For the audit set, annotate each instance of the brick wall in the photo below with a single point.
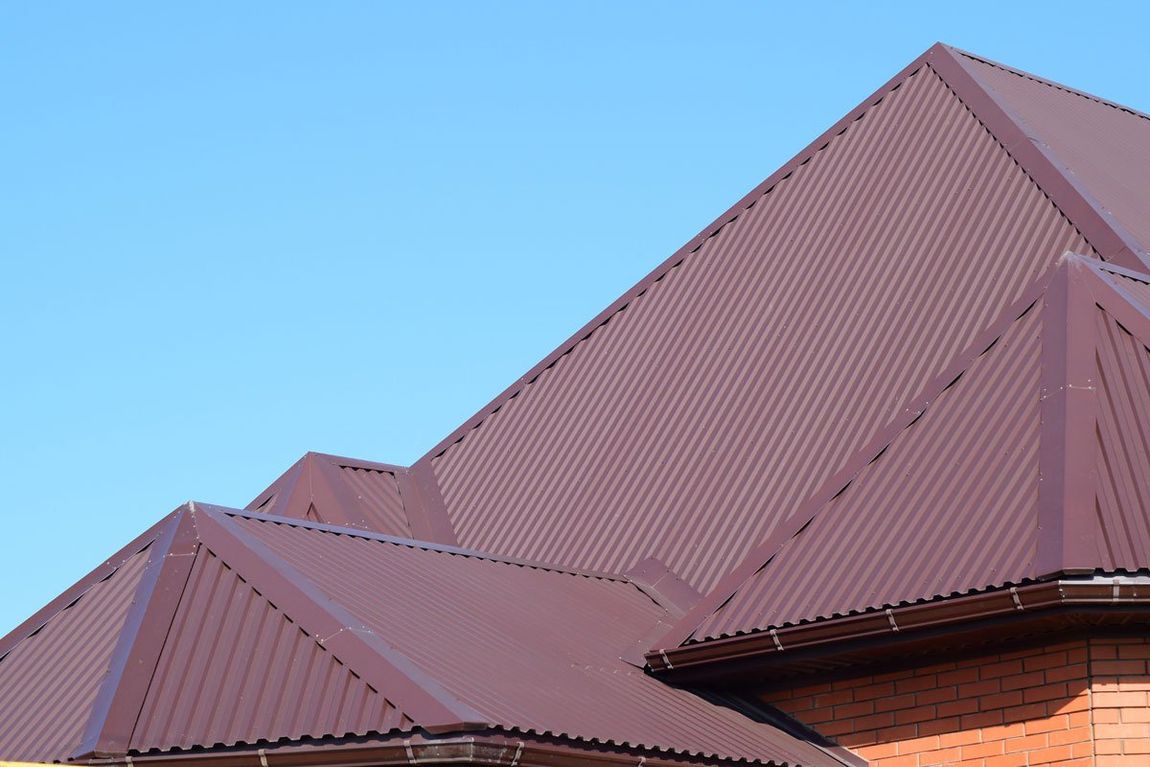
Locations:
(1074, 704)
(1120, 686)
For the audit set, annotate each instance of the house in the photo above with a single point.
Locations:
(859, 475)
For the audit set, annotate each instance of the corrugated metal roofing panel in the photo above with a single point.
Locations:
(532, 649)
(1123, 456)
(1104, 145)
(378, 493)
(688, 423)
(236, 669)
(950, 503)
(1033, 462)
(49, 681)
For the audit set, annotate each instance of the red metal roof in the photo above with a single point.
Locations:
(237, 669)
(1026, 457)
(1103, 146)
(54, 675)
(875, 380)
(239, 628)
(530, 649)
(688, 419)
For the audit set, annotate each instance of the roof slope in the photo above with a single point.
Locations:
(61, 667)
(1025, 458)
(1103, 146)
(234, 628)
(531, 649)
(688, 419)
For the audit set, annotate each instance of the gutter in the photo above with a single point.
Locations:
(491, 751)
(1117, 596)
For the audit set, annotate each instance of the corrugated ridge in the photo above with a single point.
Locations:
(1122, 467)
(951, 502)
(533, 650)
(237, 670)
(49, 681)
(690, 423)
(378, 492)
(1105, 145)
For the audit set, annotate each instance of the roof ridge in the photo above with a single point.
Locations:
(676, 259)
(1050, 83)
(835, 484)
(412, 543)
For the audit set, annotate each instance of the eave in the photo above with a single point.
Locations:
(903, 631)
(495, 750)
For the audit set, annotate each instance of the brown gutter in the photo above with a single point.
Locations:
(494, 751)
(1088, 599)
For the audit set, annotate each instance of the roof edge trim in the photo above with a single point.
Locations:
(499, 748)
(413, 543)
(1121, 592)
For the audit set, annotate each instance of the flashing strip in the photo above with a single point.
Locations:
(1130, 592)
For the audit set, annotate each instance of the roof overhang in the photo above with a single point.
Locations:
(494, 750)
(911, 630)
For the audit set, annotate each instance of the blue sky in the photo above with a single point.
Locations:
(234, 232)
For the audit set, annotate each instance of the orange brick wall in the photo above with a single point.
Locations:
(1120, 684)
(1082, 703)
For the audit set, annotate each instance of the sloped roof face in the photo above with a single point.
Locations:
(691, 417)
(1122, 459)
(1105, 146)
(957, 496)
(528, 649)
(236, 669)
(53, 677)
(955, 493)
(239, 629)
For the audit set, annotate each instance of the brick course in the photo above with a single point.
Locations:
(1084, 703)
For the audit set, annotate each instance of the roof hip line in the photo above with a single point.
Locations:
(1069, 388)
(1104, 233)
(133, 663)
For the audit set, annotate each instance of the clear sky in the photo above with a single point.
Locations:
(234, 232)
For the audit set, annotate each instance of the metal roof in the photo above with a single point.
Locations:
(54, 675)
(238, 628)
(688, 419)
(874, 381)
(1025, 458)
(1102, 145)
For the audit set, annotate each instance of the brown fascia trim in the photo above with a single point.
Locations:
(491, 750)
(892, 626)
